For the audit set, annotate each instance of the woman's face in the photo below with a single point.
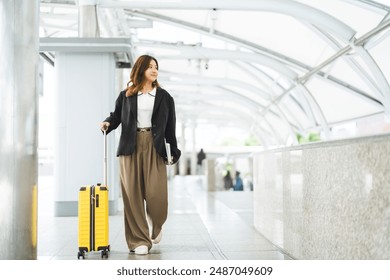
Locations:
(152, 72)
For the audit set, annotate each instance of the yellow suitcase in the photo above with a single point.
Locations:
(93, 216)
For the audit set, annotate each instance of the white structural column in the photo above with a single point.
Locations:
(19, 57)
(210, 174)
(193, 150)
(250, 181)
(85, 96)
(183, 158)
(88, 20)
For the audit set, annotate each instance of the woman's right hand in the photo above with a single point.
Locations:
(104, 126)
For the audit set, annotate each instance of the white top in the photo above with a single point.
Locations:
(145, 108)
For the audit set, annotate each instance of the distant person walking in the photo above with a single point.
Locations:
(200, 157)
(238, 186)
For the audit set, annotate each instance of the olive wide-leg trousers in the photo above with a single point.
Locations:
(144, 187)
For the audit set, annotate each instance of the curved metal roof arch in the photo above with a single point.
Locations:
(291, 8)
(288, 61)
(330, 29)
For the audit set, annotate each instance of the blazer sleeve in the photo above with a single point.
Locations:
(115, 117)
(170, 131)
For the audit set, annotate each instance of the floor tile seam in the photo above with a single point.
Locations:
(253, 250)
(57, 252)
(283, 251)
(231, 210)
(210, 236)
(214, 243)
(203, 233)
(220, 251)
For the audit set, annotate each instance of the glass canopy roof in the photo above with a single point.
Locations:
(273, 69)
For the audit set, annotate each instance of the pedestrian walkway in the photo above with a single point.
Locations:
(201, 225)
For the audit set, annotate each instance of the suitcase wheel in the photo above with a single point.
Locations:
(104, 253)
(81, 254)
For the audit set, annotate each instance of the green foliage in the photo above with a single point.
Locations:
(312, 137)
(252, 141)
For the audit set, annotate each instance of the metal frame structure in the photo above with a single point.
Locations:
(279, 82)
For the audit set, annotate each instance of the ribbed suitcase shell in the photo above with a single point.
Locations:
(101, 218)
(84, 214)
(93, 220)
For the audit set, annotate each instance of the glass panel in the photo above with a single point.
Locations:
(351, 12)
(276, 32)
(280, 129)
(337, 104)
(343, 71)
(381, 55)
(295, 113)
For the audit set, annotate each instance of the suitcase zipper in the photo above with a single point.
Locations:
(92, 220)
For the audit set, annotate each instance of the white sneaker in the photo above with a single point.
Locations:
(141, 250)
(158, 238)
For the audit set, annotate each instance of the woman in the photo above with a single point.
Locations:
(147, 115)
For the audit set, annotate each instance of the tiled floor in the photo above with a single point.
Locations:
(201, 225)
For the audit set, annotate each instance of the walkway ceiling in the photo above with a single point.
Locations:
(277, 68)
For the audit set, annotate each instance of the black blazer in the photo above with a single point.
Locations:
(163, 123)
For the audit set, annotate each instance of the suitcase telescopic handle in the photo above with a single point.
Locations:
(105, 159)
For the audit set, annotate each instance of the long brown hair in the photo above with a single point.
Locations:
(137, 75)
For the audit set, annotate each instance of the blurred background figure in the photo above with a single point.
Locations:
(201, 156)
(228, 181)
(238, 186)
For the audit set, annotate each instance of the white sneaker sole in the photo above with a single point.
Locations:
(141, 250)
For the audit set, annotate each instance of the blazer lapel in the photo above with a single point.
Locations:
(157, 100)
(133, 105)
